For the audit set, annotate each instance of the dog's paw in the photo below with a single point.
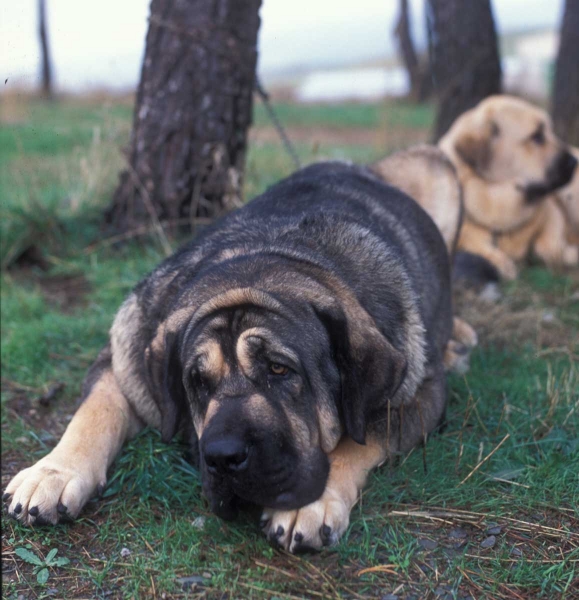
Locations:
(50, 491)
(507, 268)
(319, 524)
(571, 256)
(462, 332)
(457, 357)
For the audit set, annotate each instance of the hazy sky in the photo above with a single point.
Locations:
(100, 44)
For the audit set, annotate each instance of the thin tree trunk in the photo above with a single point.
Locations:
(464, 56)
(193, 109)
(46, 68)
(566, 88)
(417, 73)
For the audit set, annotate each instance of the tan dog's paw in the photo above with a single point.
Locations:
(507, 268)
(457, 357)
(571, 256)
(49, 491)
(462, 332)
(319, 524)
(458, 349)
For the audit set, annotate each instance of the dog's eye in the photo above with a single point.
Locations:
(538, 137)
(277, 369)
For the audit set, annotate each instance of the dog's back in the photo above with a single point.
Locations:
(426, 175)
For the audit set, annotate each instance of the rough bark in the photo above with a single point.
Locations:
(193, 108)
(464, 56)
(46, 62)
(566, 88)
(417, 70)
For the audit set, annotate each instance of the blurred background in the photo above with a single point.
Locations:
(315, 50)
(106, 166)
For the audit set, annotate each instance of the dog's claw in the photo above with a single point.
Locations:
(326, 534)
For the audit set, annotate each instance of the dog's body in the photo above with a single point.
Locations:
(426, 175)
(509, 163)
(299, 342)
(568, 199)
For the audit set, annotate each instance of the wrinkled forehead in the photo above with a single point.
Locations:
(237, 337)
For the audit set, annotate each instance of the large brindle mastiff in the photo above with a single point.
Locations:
(298, 343)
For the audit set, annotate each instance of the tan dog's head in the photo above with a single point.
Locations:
(507, 139)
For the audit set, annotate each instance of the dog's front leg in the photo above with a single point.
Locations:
(323, 522)
(479, 240)
(59, 485)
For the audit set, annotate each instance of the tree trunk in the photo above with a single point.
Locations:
(417, 72)
(566, 89)
(46, 69)
(464, 56)
(193, 108)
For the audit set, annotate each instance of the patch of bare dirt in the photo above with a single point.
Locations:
(524, 316)
(66, 291)
(378, 137)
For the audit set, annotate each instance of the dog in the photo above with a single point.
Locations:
(509, 163)
(425, 174)
(568, 198)
(297, 343)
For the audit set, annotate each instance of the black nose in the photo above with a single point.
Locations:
(566, 167)
(226, 455)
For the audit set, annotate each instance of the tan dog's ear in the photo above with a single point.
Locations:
(474, 150)
(473, 146)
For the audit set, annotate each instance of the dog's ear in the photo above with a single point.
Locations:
(165, 376)
(371, 369)
(473, 146)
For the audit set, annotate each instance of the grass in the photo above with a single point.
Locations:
(506, 530)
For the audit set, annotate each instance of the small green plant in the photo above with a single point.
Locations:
(41, 566)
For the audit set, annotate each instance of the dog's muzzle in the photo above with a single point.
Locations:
(558, 175)
(561, 172)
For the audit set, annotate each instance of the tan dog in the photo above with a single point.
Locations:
(568, 197)
(509, 163)
(426, 175)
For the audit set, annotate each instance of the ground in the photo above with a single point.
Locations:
(488, 510)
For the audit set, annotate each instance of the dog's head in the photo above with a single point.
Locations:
(272, 381)
(507, 139)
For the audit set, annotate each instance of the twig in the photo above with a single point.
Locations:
(543, 561)
(51, 394)
(484, 460)
(152, 212)
(277, 569)
(143, 230)
(276, 593)
(282, 133)
(471, 516)
(378, 569)
(528, 487)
